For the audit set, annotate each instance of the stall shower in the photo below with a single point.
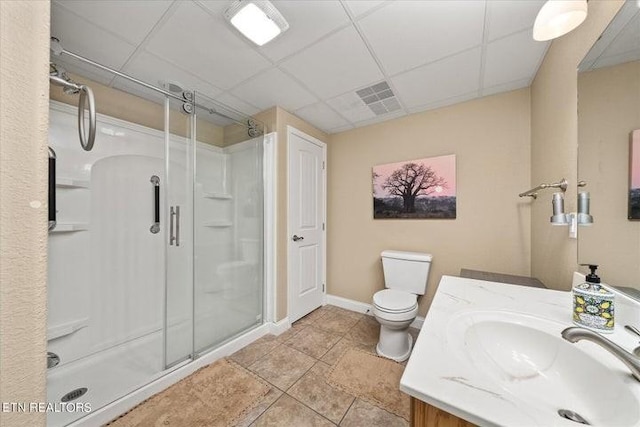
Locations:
(156, 240)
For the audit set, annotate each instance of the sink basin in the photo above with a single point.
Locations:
(526, 357)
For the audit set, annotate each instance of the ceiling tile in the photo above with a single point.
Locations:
(351, 106)
(151, 69)
(340, 129)
(222, 112)
(308, 22)
(610, 60)
(82, 37)
(135, 89)
(335, 65)
(321, 116)
(237, 104)
(506, 87)
(216, 7)
(512, 58)
(444, 79)
(273, 87)
(618, 25)
(379, 119)
(206, 46)
(510, 16)
(627, 40)
(360, 7)
(130, 19)
(406, 34)
(446, 102)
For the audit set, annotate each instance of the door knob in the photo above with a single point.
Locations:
(296, 238)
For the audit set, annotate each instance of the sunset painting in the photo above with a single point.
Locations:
(415, 189)
(634, 175)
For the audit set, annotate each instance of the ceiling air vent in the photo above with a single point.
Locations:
(379, 98)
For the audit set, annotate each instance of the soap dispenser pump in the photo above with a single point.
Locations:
(593, 305)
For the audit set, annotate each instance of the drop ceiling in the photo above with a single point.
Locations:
(430, 53)
(620, 42)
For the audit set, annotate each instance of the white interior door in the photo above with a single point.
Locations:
(307, 211)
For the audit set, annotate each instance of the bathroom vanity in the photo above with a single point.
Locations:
(492, 354)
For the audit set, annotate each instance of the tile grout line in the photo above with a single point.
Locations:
(310, 409)
(300, 379)
(268, 407)
(348, 409)
(317, 360)
(268, 352)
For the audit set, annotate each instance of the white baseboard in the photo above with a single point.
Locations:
(349, 304)
(361, 307)
(279, 327)
(122, 405)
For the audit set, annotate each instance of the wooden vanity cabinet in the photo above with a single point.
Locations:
(425, 415)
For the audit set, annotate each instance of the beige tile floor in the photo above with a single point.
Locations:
(296, 364)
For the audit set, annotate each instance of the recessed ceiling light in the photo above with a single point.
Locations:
(257, 20)
(558, 17)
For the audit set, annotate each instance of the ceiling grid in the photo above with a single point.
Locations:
(431, 53)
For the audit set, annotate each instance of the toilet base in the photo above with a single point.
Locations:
(394, 344)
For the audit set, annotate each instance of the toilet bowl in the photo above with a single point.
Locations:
(395, 311)
(396, 307)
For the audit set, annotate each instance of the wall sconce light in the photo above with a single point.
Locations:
(584, 217)
(558, 17)
(558, 217)
(572, 219)
(257, 20)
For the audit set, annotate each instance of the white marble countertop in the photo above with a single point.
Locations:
(442, 373)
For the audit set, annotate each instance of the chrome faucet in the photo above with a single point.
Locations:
(575, 334)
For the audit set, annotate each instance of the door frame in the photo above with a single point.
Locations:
(294, 131)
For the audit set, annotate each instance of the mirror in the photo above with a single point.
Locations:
(608, 111)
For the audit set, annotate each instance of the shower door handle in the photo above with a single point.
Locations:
(52, 189)
(177, 225)
(155, 227)
(175, 219)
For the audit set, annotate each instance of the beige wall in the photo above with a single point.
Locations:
(491, 140)
(608, 110)
(554, 139)
(125, 106)
(24, 36)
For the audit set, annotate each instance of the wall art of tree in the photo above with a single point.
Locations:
(413, 180)
(413, 189)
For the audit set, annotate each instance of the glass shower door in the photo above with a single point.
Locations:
(228, 225)
(108, 255)
(178, 213)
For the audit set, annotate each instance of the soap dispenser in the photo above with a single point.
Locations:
(593, 304)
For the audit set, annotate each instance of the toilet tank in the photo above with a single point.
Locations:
(406, 271)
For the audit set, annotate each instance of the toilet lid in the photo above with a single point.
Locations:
(394, 301)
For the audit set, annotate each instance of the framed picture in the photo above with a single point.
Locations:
(415, 189)
(634, 175)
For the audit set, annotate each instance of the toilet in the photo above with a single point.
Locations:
(396, 307)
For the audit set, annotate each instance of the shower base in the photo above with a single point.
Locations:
(137, 366)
